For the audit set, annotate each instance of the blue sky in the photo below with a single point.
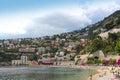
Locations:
(20, 5)
(36, 18)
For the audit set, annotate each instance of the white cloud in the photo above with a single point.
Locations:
(13, 25)
(40, 23)
(57, 23)
(97, 10)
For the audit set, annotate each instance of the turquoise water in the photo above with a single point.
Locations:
(43, 73)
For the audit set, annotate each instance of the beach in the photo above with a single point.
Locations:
(97, 72)
(104, 73)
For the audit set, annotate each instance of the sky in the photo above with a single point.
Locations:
(37, 18)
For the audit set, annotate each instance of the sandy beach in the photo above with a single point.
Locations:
(103, 74)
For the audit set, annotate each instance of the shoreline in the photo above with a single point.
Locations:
(72, 72)
(100, 70)
(104, 73)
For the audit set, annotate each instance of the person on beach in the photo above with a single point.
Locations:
(104, 73)
(90, 77)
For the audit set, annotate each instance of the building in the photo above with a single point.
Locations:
(24, 60)
(66, 63)
(48, 61)
(1, 45)
(29, 50)
(16, 62)
(41, 50)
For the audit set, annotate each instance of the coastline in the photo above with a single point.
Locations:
(93, 68)
(79, 71)
(99, 70)
(104, 73)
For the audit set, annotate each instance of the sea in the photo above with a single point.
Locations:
(44, 73)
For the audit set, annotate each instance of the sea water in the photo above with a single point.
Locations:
(44, 73)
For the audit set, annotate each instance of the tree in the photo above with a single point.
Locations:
(112, 61)
(117, 22)
(108, 49)
(109, 25)
(33, 57)
(66, 52)
(52, 55)
(14, 50)
(97, 61)
(114, 36)
(79, 48)
(98, 44)
(90, 60)
(103, 62)
(117, 47)
(72, 57)
(54, 50)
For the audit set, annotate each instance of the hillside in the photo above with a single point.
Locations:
(66, 46)
(103, 36)
(105, 25)
(106, 35)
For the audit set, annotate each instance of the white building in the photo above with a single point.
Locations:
(16, 62)
(41, 50)
(24, 60)
(61, 53)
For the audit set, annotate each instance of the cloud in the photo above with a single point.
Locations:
(71, 19)
(13, 25)
(57, 23)
(97, 10)
(58, 20)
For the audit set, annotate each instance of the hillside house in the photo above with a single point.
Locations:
(27, 50)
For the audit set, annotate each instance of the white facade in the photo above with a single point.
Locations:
(23, 59)
(61, 53)
(41, 50)
(16, 62)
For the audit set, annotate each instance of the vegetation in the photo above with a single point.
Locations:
(111, 45)
(117, 47)
(112, 61)
(33, 57)
(98, 62)
(109, 25)
(61, 42)
(90, 61)
(7, 57)
(79, 48)
(66, 52)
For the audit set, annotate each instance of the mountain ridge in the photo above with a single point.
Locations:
(105, 25)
